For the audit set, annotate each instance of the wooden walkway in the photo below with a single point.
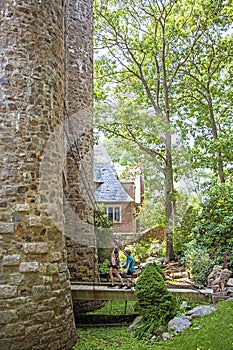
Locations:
(103, 292)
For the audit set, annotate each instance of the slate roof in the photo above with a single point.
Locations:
(110, 188)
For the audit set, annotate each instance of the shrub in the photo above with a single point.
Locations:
(183, 232)
(146, 248)
(104, 266)
(199, 263)
(156, 303)
(214, 227)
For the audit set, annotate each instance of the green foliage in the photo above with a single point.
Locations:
(104, 266)
(205, 94)
(199, 263)
(211, 233)
(145, 249)
(152, 91)
(121, 152)
(187, 209)
(103, 232)
(186, 221)
(101, 219)
(156, 303)
(215, 223)
(152, 213)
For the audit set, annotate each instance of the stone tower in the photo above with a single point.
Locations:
(38, 54)
(79, 198)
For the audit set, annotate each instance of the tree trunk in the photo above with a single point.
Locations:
(215, 136)
(169, 201)
(169, 187)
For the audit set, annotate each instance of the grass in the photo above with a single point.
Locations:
(115, 307)
(211, 332)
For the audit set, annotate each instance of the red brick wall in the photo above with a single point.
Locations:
(128, 223)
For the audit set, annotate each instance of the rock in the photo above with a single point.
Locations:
(230, 282)
(166, 336)
(4, 81)
(184, 305)
(220, 282)
(214, 274)
(201, 310)
(178, 324)
(219, 296)
(135, 323)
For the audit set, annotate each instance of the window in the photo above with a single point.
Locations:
(113, 213)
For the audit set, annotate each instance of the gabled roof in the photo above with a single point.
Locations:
(110, 188)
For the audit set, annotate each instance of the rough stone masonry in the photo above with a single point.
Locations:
(46, 107)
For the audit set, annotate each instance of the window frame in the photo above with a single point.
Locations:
(116, 212)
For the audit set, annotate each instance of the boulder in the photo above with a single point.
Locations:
(201, 310)
(178, 324)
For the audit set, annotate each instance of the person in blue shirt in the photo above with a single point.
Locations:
(129, 268)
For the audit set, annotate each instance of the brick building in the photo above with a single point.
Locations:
(120, 198)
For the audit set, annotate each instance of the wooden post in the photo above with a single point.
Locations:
(125, 307)
(225, 260)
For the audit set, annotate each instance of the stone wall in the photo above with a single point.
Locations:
(35, 300)
(79, 200)
(82, 262)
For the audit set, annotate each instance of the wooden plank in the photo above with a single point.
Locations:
(101, 293)
(196, 296)
(87, 292)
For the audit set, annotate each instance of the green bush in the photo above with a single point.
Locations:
(213, 231)
(183, 232)
(156, 303)
(199, 263)
(104, 266)
(146, 248)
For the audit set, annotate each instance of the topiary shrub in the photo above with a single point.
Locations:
(156, 303)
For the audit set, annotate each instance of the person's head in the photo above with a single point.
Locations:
(127, 252)
(116, 251)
